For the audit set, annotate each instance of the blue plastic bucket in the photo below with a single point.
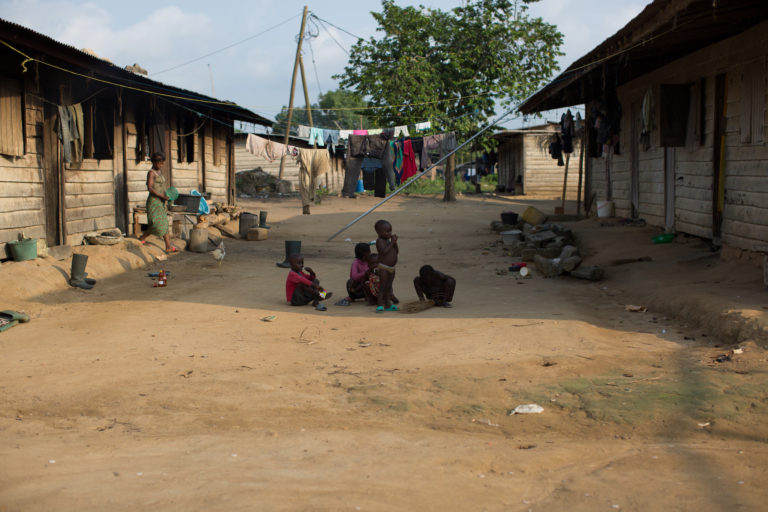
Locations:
(360, 188)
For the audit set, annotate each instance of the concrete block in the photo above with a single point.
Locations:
(589, 273)
(570, 263)
(568, 251)
(60, 252)
(549, 267)
(541, 238)
(511, 236)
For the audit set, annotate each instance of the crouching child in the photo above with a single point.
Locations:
(302, 286)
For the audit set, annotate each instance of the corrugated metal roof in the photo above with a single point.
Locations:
(664, 31)
(41, 46)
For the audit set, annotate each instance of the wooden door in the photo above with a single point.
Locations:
(669, 189)
(51, 177)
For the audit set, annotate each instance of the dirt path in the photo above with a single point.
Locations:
(130, 397)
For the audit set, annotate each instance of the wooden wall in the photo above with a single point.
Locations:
(745, 213)
(22, 203)
(541, 174)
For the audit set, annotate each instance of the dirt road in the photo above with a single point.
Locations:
(130, 397)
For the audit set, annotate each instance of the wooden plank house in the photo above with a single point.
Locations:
(59, 186)
(676, 114)
(526, 167)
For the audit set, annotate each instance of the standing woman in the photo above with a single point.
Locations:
(157, 212)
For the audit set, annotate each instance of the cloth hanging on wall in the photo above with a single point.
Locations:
(70, 133)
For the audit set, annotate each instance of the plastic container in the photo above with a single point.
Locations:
(604, 209)
(198, 240)
(360, 187)
(192, 202)
(509, 218)
(247, 221)
(23, 250)
(663, 238)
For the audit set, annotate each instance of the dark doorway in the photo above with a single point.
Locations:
(51, 177)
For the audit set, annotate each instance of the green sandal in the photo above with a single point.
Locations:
(393, 307)
(10, 318)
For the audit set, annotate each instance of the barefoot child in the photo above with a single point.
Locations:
(386, 244)
(358, 275)
(373, 284)
(302, 288)
(435, 286)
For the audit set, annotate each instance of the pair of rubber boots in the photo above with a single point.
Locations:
(291, 247)
(78, 277)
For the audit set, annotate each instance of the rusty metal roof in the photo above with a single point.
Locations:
(664, 31)
(48, 50)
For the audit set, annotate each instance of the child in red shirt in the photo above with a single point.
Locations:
(302, 288)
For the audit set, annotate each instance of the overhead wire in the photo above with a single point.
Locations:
(228, 46)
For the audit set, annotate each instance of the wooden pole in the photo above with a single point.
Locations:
(565, 180)
(581, 173)
(293, 89)
(309, 118)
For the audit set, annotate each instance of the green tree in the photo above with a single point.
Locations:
(338, 109)
(451, 67)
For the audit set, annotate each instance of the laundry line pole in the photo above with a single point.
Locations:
(293, 89)
(422, 173)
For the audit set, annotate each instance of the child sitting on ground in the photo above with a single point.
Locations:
(435, 286)
(358, 275)
(386, 244)
(302, 288)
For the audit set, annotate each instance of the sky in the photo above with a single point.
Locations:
(256, 72)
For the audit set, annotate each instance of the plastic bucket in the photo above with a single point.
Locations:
(23, 250)
(509, 218)
(360, 187)
(198, 240)
(605, 209)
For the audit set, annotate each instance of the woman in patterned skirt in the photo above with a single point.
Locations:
(157, 212)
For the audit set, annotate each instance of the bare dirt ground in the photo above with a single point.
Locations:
(130, 397)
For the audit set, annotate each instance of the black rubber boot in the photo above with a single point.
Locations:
(263, 220)
(87, 279)
(291, 247)
(77, 274)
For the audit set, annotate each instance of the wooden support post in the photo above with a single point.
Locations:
(450, 179)
(306, 209)
(565, 180)
(581, 174)
(293, 89)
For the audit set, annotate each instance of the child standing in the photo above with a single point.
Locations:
(386, 245)
(358, 275)
(302, 288)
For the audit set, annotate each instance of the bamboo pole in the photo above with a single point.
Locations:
(293, 89)
(565, 179)
(581, 173)
(306, 209)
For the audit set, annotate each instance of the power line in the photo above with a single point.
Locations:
(228, 46)
(313, 15)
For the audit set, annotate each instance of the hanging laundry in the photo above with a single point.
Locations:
(367, 145)
(431, 142)
(69, 134)
(380, 183)
(566, 131)
(265, 148)
(316, 136)
(375, 131)
(352, 169)
(312, 163)
(447, 144)
(578, 123)
(331, 139)
(344, 134)
(401, 131)
(302, 131)
(409, 161)
(426, 125)
(387, 164)
(418, 146)
(360, 132)
(397, 162)
(556, 149)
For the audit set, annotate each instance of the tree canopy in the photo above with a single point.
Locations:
(451, 67)
(338, 109)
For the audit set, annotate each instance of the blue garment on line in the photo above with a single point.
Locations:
(316, 136)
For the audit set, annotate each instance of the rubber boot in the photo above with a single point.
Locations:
(291, 247)
(263, 220)
(77, 274)
(87, 279)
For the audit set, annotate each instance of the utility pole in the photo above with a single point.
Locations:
(293, 88)
(311, 125)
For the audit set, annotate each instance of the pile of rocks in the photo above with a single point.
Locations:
(552, 247)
